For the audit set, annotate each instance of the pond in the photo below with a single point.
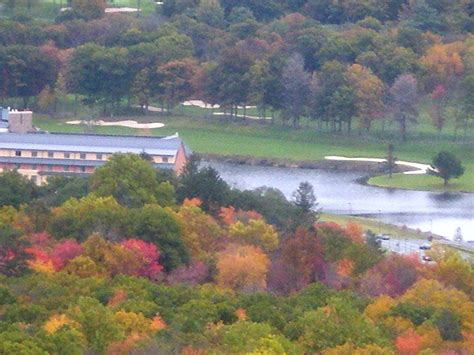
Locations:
(339, 192)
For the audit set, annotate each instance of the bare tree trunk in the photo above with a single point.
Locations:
(295, 121)
(403, 128)
(75, 105)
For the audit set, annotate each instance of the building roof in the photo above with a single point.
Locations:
(91, 143)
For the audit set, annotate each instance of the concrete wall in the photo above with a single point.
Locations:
(20, 121)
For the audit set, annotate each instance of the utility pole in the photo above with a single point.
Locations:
(380, 221)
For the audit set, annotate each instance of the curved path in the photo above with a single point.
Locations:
(420, 168)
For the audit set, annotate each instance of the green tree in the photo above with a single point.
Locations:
(130, 179)
(449, 326)
(157, 225)
(141, 89)
(306, 213)
(80, 218)
(174, 46)
(89, 9)
(227, 82)
(424, 17)
(256, 338)
(97, 323)
(467, 94)
(13, 257)
(203, 183)
(334, 99)
(211, 13)
(334, 325)
(446, 166)
(59, 189)
(15, 189)
(26, 71)
(175, 80)
(100, 73)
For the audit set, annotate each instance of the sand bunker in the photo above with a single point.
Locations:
(151, 108)
(113, 10)
(199, 103)
(109, 10)
(421, 168)
(128, 123)
(202, 104)
(242, 116)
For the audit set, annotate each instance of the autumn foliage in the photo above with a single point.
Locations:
(242, 268)
(246, 288)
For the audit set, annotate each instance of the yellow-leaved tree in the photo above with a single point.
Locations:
(242, 268)
(255, 232)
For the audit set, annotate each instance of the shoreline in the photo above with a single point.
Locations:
(373, 168)
(370, 168)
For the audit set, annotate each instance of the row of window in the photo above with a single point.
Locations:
(98, 156)
(34, 154)
(66, 168)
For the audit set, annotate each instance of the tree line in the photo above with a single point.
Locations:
(188, 265)
(375, 66)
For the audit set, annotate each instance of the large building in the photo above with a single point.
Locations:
(39, 155)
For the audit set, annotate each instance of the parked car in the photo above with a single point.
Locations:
(425, 246)
(383, 236)
(427, 258)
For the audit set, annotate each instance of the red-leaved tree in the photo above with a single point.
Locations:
(63, 252)
(148, 253)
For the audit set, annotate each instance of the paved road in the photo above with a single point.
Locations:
(412, 246)
(405, 246)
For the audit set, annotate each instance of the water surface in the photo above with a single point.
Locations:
(339, 193)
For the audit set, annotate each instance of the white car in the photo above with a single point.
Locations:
(425, 246)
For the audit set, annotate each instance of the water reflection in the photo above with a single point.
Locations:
(446, 197)
(338, 192)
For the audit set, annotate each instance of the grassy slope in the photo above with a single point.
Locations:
(218, 136)
(427, 182)
(375, 226)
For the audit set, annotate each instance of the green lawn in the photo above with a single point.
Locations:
(375, 226)
(427, 182)
(253, 139)
(48, 10)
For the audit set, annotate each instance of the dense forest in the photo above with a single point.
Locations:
(188, 265)
(138, 261)
(342, 64)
